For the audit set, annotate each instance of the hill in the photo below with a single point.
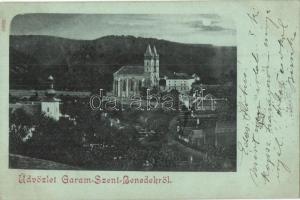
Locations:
(25, 162)
(89, 64)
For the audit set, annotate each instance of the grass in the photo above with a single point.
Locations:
(25, 162)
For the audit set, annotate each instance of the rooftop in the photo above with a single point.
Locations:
(225, 126)
(134, 70)
(176, 75)
(49, 99)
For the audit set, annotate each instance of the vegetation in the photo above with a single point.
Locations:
(88, 65)
(93, 142)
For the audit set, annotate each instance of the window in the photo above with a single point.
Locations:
(124, 85)
(116, 87)
(131, 84)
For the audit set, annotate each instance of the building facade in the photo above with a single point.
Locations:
(181, 82)
(129, 80)
(49, 105)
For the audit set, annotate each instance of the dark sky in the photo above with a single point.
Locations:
(194, 28)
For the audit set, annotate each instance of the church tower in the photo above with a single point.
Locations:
(148, 60)
(151, 65)
(156, 65)
(50, 104)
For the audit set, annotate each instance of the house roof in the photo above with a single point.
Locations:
(225, 126)
(209, 97)
(187, 131)
(50, 99)
(197, 134)
(179, 76)
(190, 122)
(138, 70)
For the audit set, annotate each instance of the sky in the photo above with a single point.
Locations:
(188, 28)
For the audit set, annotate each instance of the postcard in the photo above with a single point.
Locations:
(149, 100)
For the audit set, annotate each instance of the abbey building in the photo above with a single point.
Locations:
(129, 80)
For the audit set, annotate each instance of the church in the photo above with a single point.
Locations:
(50, 104)
(130, 79)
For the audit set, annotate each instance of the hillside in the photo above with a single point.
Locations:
(25, 162)
(89, 64)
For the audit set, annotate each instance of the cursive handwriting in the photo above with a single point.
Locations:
(266, 108)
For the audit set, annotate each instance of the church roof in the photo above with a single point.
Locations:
(131, 69)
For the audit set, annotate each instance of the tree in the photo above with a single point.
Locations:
(175, 95)
(154, 90)
(143, 92)
(20, 117)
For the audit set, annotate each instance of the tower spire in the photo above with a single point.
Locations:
(148, 51)
(50, 92)
(154, 51)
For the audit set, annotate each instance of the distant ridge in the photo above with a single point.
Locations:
(89, 64)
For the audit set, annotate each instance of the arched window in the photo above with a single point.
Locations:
(124, 85)
(116, 87)
(131, 84)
